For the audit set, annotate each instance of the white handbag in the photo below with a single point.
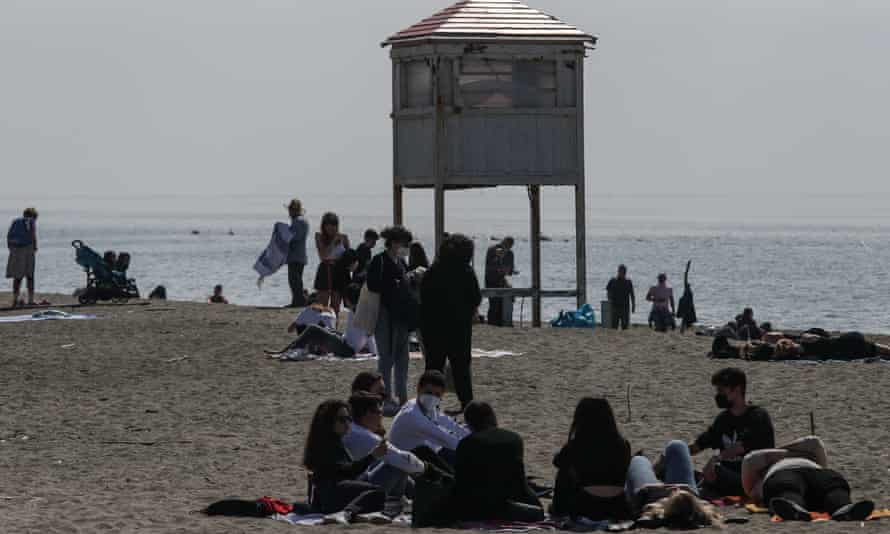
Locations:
(366, 311)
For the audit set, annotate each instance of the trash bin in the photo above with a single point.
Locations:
(605, 314)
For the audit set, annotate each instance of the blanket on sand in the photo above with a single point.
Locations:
(48, 315)
(297, 356)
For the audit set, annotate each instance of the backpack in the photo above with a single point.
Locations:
(20, 233)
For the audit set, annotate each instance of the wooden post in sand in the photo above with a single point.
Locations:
(629, 415)
(812, 424)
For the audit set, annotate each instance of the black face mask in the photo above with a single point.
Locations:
(722, 401)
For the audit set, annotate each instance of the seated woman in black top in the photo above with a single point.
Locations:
(489, 473)
(592, 466)
(335, 484)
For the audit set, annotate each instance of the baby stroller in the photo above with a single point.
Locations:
(104, 282)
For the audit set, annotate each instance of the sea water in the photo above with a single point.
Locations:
(818, 261)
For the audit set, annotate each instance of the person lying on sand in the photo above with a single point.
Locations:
(673, 501)
(739, 429)
(813, 345)
(794, 481)
(321, 340)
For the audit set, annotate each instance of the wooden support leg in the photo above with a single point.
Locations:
(581, 244)
(397, 213)
(535, 240)
(439, 217)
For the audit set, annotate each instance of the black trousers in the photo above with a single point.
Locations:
(816, 490)
(458, 351)
(620, 316)
(352, 495)
(570, 499)
(295, 280)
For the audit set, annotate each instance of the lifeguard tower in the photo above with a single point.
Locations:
(490, 93)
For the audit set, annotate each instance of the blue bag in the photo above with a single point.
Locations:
(583, 317)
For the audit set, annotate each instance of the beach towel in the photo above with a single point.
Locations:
(275, 254)
(815, 516)
(299, 356)
(48, 315)
(313, 520)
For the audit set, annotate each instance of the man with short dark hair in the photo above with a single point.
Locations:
(420, 422)
(739, 429)
(364, 252)
(622, 300)
(489, 472)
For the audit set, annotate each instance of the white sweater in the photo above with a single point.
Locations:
(412, 428)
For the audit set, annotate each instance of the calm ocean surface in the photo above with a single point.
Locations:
(799, 261)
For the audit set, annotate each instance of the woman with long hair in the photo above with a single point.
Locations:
(673, 502)
(335, 484)
(592, 466)
(387, 276)
(331, 245)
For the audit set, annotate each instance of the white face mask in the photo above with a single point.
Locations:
(430, 403)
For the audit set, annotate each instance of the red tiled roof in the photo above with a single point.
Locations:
(505, 20)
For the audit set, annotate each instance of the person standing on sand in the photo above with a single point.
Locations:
(621, 298)
(499, 264)
(331, 245)
(22, 243)
(662, 298)
(449, 303)
(296, 255)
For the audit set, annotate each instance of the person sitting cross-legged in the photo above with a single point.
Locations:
(365, 434)
(489, 472)
(421, 425)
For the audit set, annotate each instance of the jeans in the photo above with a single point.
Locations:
(392, 351)
(677, 470)
(353, 495)
(295, 280)
(393, 481)
(327, 342)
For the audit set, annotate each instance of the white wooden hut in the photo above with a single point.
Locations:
(490, 93)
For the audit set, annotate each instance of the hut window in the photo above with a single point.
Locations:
(486, 83)
(417, 85)
(534, 84)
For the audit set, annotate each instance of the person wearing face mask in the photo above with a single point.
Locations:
(738, 430)
(420, 424)
(398, 315)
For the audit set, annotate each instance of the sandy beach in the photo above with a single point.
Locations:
(134, 421)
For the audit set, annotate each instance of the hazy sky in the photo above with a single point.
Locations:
(283, 97)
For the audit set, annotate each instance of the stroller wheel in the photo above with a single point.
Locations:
(86, 299)
(120, 300)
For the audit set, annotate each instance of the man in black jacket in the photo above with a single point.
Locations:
(490, 481)
(739, 429)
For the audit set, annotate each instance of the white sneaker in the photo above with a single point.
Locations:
(339, 518)
(375, 518)
(298, 355)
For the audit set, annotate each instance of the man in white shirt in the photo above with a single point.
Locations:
(365, 434)
(420, 422)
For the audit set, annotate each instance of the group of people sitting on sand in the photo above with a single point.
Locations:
(358, 467)
(745, 339)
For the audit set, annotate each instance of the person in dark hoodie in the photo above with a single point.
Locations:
(490, 481)
(450, 298)
(686, 308)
